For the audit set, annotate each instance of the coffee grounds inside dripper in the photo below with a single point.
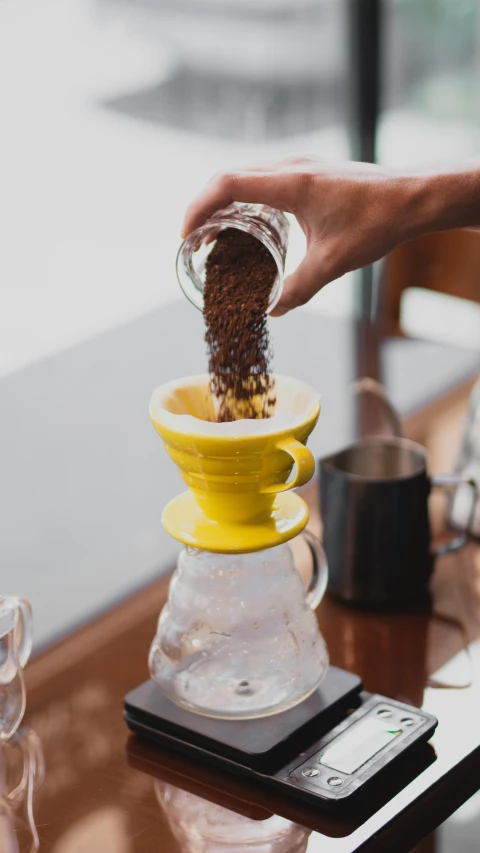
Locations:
(239, 276)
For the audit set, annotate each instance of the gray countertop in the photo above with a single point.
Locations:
(84, 476)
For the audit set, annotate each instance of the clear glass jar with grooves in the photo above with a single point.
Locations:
(268, 225)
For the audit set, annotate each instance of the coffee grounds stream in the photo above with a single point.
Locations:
(239, 276)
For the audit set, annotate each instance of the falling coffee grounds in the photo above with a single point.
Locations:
(239, 276)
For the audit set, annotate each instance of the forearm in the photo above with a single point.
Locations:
(441, 201)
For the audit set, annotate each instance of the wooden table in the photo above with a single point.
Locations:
(105, 791)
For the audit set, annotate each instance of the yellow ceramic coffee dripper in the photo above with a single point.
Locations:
(239, 496)
(238, 637)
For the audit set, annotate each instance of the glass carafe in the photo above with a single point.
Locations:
(238, 637)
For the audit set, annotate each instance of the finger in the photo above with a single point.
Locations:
(274, 189)
(309, 277)
(211, 236)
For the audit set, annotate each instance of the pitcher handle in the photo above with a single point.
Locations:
(375, 389)
(24, 631)
(319, 579)
(453, 481)
(305, 466)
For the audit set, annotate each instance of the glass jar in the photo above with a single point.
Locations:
(238, 637)
(268, 225)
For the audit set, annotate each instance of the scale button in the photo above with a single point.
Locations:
(407, 721)
(335, 781)
(310, 771)
(384, 712)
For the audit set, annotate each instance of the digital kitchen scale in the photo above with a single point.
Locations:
(326, 751)
(258, 802)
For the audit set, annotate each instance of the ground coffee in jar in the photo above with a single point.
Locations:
(239, 276)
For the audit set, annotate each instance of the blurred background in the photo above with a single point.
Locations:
(113, 114)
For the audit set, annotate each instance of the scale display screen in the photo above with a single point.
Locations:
(349, 751)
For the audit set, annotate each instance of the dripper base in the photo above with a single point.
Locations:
(185, 521)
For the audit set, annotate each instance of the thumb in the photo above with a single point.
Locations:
(305, 282)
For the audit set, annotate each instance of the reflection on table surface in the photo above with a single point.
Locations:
(22, 772)
(198, 824)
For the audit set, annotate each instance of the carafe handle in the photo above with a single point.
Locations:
(319, 579)
(367, 387)
(23, 631)
(456, 481)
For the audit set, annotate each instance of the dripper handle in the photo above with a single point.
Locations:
(305, 465)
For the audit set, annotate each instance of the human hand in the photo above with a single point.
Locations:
(352, 214)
